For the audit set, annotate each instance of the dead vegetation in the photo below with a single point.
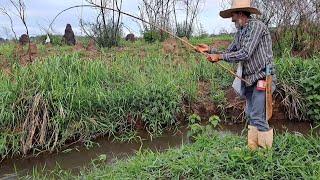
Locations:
(35, 127)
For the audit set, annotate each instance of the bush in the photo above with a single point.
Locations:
(312, 90)
(108, 37)
(183, 30)
(298, 86)
(55, 40)
(300, 40)
(151, 36)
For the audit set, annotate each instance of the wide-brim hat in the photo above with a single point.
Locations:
(240, 5)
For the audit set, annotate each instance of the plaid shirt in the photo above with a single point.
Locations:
(252, 45)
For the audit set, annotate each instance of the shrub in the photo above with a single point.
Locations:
(108, 36)
(183, 30)
(151, 36)
(312, 90)
(298, 86)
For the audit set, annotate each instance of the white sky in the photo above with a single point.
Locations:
(41, 12)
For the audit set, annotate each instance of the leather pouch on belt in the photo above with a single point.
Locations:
(261, 85)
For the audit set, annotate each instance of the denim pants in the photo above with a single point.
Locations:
(256, 107)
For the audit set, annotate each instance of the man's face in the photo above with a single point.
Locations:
(237, 19)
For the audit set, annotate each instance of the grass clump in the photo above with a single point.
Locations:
(68, 98)
(298, 86)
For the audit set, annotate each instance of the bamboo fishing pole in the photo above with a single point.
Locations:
(135, 17)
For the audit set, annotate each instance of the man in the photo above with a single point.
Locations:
(252, 49)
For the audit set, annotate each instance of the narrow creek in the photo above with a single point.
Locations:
(80, 157)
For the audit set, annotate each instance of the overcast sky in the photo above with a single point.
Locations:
(41, 12)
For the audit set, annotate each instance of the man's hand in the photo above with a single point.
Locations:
(202, 48)
(214, 57)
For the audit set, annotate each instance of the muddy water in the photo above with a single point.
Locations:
(81, 157)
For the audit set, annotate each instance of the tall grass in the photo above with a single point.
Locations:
(68, 97)
(298, 86)
(61, 98)
(7, 57)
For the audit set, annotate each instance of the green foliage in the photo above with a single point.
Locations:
(196, 129)
(56, 40)
(198, 40)
(298, 39)
(298, 86)
(108, 35)
(223, 37)
(214, 120)
(194, 118)
(184, 30)
(85, 40)
(7, 50)
(312, 90)
(210, 40)
(151, 36)
(283, 44)
(218, 94)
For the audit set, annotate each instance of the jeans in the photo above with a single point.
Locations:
(256, 107)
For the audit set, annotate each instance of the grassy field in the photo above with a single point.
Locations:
(68, 95)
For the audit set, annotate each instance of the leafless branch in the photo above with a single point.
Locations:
(20, 7)
(3, 11)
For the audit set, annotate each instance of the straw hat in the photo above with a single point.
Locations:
(240, 5)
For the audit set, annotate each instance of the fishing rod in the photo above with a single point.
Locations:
(135, 17)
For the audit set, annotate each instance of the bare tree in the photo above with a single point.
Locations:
(163, 13)
(106, 29)
(4, 12)
(188, 11)
(192, 8)
(157, 12)
(20, 9)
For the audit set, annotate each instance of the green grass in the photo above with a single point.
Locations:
(7, 54)
(69, 97)
(298, 84)
(213, 156)
(210, 40)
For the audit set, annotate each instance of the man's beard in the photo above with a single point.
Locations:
(238, 23)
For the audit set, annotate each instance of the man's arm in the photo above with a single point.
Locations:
(232, 47)
(250, 41)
